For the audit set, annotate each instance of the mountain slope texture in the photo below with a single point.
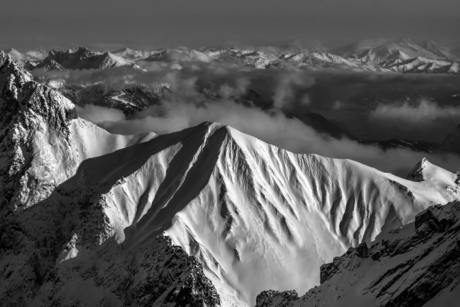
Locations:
(417, 265)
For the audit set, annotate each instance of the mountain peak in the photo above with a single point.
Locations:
(416, 174)
(50, 65)
(27, 94)
(83, 49)
(15, 54)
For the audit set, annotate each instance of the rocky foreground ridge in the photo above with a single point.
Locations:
(417, 265)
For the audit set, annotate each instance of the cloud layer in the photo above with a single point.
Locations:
(274, 128)
(261, 103)
(423, 113)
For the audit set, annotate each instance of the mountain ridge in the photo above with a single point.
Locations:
(405, 55)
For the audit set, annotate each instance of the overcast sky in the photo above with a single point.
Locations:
(149, 24)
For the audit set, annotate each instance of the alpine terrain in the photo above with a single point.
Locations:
(206, 216)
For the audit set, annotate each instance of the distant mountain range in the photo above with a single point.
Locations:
(402, 56)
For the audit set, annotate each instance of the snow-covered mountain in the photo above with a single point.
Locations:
(383, 49)
(16, 55)
(416, 265)
(404, 49)
(31, 55)
(49, 64)
(206, 216)
(133, 54)
(402, 56)
(181, 54)
(84, 58)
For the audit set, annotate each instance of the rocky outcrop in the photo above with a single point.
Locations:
(49, 65)
(29, 114)
(84, 58)
(417, 265)
(417, 172)
(275, 298)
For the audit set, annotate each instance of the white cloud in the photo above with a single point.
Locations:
(423, 113)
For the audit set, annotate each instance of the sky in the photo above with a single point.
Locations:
(26, 24)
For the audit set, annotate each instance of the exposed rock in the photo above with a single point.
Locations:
(417, 265)
(84, 58)
(275, 298)
(416, 174)
(49, 65)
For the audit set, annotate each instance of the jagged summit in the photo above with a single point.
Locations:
(132, 54)
(416, 173)
(49, 65)
(16, 55)
(83, 58)
(20, 88)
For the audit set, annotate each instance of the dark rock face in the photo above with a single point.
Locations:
(411, 266)
(417, 172)
(281, 299)
(48, 217)
(84, 58)
(434, 220)
(328, 270)
(48, 65)
(27, 109)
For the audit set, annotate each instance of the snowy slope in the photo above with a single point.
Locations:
(256, 216)
(132, 54)
(402, 49)
(15, 55)
(417, 265)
